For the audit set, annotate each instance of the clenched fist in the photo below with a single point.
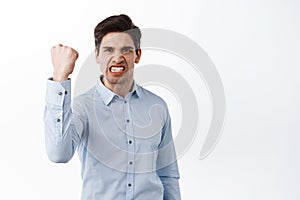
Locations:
(63, 60)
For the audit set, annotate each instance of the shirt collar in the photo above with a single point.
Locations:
(107, 95)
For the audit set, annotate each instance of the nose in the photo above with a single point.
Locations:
(118, 57)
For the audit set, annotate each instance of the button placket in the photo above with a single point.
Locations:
(58, 128)
(130, 149)
(58, 121)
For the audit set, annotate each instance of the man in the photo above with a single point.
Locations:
(121, 131)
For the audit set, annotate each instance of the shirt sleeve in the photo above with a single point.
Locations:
(61, 138)
(167, 164)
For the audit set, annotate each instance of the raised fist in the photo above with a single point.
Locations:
(63, 60)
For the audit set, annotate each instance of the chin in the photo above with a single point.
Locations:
(125, 78)
(116, 80)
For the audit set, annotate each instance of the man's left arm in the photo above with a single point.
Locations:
(167, 163)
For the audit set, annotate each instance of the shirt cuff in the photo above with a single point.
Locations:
(58, 93)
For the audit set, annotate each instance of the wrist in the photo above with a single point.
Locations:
(59, 77)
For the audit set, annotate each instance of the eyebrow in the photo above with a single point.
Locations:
(107, 47)
(125, 47)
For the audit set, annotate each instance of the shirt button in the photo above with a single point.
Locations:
(130, 141)
(129, 184)
(127, 120)
(60, 93)
(125, 101)
(58, 120)
(130, 163)
(66, 92)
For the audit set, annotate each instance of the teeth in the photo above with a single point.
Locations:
(116, 69)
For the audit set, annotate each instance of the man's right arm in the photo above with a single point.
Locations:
(61, 134)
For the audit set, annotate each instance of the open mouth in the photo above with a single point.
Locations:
(116, 69)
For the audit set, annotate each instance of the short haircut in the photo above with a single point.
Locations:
(117, 23)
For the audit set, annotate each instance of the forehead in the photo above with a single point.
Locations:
(117, 39)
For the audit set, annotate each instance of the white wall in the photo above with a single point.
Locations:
(255, 47)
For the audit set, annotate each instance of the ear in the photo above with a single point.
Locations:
(97, 58)
(138, 56)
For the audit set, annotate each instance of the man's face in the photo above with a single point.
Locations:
(117, 57)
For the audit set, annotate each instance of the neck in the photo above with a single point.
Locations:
(121, 89)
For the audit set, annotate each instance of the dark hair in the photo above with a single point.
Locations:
(117, 23)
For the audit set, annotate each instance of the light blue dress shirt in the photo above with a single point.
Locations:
(125, 145)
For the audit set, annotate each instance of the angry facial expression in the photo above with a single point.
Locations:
(117, 56)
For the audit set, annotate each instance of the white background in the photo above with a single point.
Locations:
(255, 47)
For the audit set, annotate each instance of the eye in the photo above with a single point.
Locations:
(108, 50)
(127, 49)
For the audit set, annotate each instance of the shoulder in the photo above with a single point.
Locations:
(85, 98)
(155, 106)
(151, 97)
